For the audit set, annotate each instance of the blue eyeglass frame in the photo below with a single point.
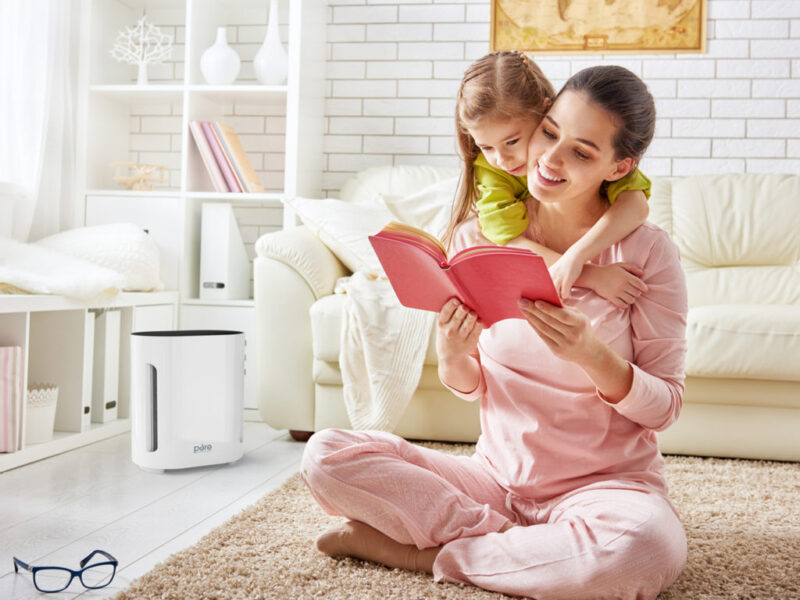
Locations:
(73, 574)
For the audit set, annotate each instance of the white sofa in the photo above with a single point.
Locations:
(740, 248)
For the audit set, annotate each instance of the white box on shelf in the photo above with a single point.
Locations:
(224, 264)
(88, 371)
(105, 374)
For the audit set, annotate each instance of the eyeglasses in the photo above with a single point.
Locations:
(93, 574)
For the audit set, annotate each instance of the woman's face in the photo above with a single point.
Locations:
(571, 152)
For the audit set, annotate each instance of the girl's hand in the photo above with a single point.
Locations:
(566, 331)
(619, 283)
(564, 273)
(457, 331)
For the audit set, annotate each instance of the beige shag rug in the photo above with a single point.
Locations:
(741, 517)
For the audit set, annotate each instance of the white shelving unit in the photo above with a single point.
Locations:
(114, 106)
(56, 337)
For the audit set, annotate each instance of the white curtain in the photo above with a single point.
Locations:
(37, 100)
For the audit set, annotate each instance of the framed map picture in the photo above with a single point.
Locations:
(601, 26)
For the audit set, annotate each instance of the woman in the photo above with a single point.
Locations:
(565, 495)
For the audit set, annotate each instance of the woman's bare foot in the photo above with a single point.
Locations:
(359, 540)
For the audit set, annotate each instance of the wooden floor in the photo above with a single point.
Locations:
(56, 511)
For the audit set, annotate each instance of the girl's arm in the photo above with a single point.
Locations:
(628, 212)
(618, 283)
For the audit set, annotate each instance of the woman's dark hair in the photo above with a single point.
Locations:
(623, 95)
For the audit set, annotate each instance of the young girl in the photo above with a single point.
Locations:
(565, 495)
(502, 98)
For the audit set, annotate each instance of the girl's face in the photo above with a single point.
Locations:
(504, 142)
(571, 153)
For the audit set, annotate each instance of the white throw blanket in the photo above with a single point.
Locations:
(382, 350)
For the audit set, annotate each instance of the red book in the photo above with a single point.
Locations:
(216, 149)
(489, 279)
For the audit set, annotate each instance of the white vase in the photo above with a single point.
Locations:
(271, 64)
(219, 63)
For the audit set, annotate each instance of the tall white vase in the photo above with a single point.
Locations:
(220, 64)
(271, 63)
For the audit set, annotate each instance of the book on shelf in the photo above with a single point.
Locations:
(226, 161)
(204, 148)
(219, 155)
(242, 167)
(488, 279)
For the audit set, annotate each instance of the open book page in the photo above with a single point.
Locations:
(416, 236)
(494, 250)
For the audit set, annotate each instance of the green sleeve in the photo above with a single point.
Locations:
(502, 213)
(635, 180)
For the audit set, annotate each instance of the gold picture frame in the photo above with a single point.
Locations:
(599, 26)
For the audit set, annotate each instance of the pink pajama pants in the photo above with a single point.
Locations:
(600, 541)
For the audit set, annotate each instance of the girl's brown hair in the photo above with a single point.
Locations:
(500, 85)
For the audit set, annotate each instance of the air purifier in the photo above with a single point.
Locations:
(187, 398)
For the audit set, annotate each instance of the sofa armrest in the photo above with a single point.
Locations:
(292, 270)
(303, 252)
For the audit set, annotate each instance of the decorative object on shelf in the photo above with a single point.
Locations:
(271, 63)
(41, 413)
(10, 398)
(142, 45)
(219, 63)
(140, 176)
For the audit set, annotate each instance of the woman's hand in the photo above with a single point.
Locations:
(619, 283)
(457, 331)
(570, 336)
(566, 331)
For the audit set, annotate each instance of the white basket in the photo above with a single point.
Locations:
(41, 413)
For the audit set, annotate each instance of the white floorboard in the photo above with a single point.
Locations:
(58, 510)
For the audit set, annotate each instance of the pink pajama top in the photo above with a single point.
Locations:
(546, 430)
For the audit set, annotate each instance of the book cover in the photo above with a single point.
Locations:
(241, 163)
(207, 155)
(219, 155)
(489, 279)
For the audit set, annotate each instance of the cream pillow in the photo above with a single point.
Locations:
(345, 228)
(428, 209)
(122, 247)
(32, 269)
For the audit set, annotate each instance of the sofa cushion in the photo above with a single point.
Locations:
(744, 341)
(399, 181)
(326, 324)
(737, 235)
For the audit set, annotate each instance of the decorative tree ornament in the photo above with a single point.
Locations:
(142, 45)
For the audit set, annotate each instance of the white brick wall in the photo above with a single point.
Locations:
(394, 69)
